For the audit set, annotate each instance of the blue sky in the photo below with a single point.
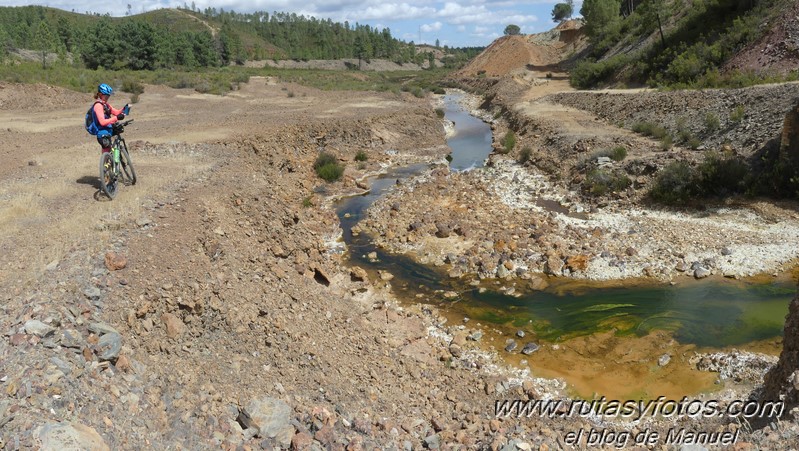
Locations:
(456, 23)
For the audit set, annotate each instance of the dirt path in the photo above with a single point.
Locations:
(193, 17)
(228, 293)
(230, 303)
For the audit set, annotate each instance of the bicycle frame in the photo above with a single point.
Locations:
(113, 167)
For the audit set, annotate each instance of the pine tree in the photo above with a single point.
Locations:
(43, 41)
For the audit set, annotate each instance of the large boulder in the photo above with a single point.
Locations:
(789, 142)
(69, 436)
(782, 381)
(270, 416)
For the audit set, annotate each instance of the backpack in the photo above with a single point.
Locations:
(90, 122)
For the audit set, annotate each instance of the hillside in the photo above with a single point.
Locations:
(682, 43)
(776, 50)
(511, 54)
(169, 38)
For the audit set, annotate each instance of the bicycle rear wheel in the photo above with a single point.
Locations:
(128, 171)
(108, 180)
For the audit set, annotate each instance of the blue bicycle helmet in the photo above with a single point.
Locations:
(105, 89)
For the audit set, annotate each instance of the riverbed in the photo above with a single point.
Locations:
(602, 338)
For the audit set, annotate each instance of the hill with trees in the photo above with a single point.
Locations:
(688, 43)
(189, 38)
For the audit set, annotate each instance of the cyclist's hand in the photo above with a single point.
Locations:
(120, 116)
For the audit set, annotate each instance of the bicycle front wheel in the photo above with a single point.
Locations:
(127, 164)
(108, 180)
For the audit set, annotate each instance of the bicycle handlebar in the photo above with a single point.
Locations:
(119, 127)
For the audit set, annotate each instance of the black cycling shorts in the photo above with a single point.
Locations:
(105, 141)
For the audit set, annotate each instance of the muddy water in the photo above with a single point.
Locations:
(602, 338)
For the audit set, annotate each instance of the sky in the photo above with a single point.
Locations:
(458, 23)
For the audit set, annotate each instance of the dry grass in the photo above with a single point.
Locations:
(19, 212)
(50, 214)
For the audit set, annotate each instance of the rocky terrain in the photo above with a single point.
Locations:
(776, 51)
(203, 308)
(552, 221)
(549, 226)
(208, 306)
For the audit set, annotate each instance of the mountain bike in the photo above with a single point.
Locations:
(116, 165)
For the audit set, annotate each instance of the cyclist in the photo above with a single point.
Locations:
(105, 116)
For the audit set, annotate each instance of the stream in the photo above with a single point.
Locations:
(708, 314)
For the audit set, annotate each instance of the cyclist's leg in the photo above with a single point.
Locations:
(105, 142)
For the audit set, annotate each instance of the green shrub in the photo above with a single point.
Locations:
(618, 153)
(589, 73)
(241, 77)
(203, 87)
(644, 128)
(667, 142)
(132, 86)
(720, 175)
(737, 115)
(682, 124)
(134, 98)
(307, 202)
(327, 167)
(716, 175)
(694, 142)
(361, 156)
(650, 129)
(659, 132)
(440, 113)
(675, 184)
(508, 142)
(712, 122)
(600, 182)
(525, 154)
(782, 179)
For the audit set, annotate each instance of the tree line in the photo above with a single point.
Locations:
(170, 38)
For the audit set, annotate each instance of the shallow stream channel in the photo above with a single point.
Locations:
(602, 338)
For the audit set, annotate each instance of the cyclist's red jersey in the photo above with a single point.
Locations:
(99, 113)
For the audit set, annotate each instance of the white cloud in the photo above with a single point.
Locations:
(395, 11)
(454, 10)
(519, 18)
(432, 27)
